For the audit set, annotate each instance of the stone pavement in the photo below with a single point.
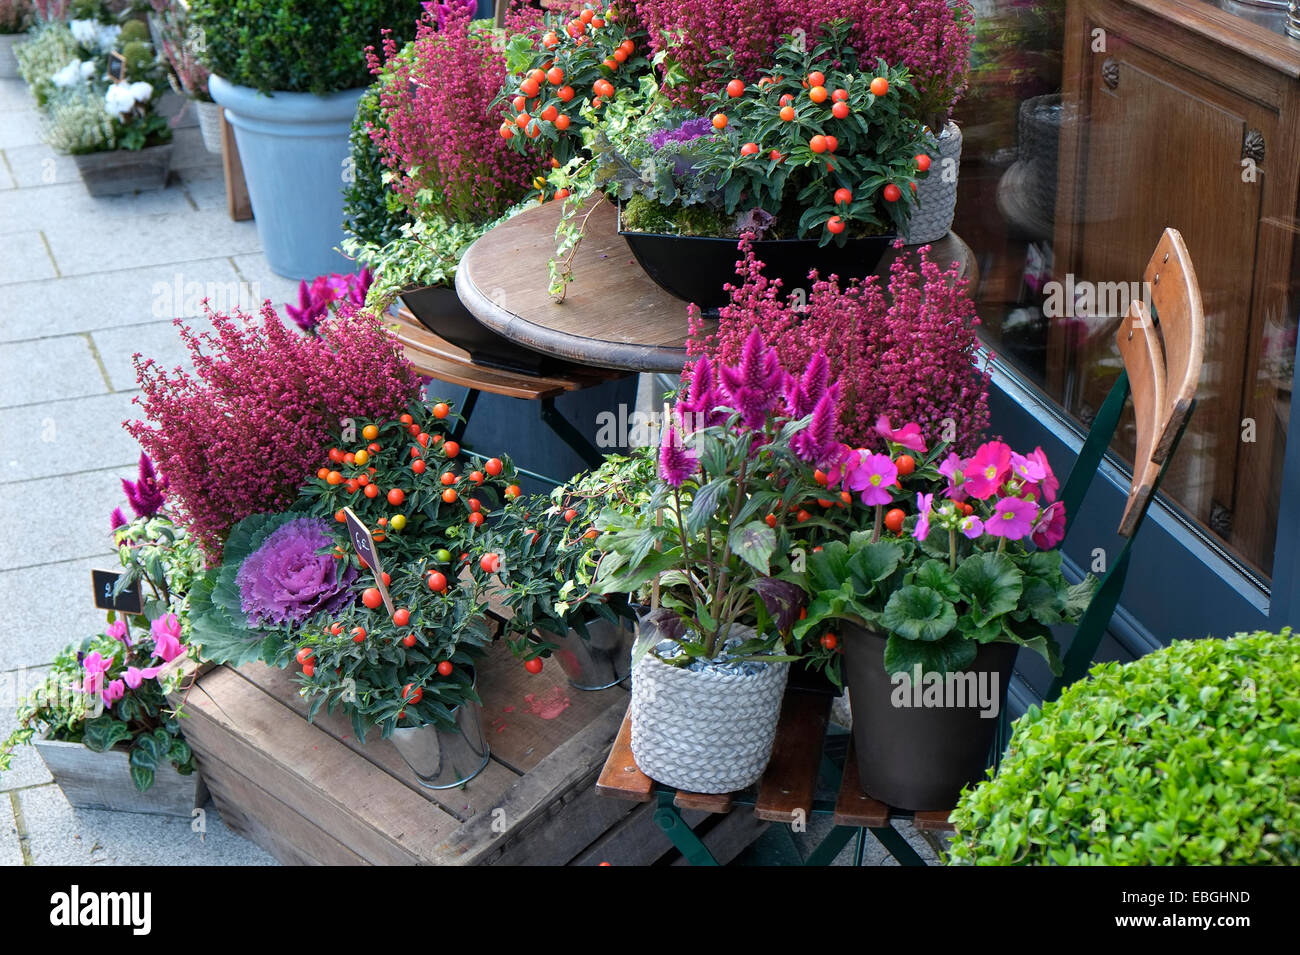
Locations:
(84, 283)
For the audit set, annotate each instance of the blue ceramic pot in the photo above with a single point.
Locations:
(294, 150)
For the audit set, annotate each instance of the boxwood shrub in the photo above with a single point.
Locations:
(299, 46)
(373, 213)
(1187, 756)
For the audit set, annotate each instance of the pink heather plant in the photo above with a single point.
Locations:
(906, 353)
(929, 37)
(239, 434)
(440, 137)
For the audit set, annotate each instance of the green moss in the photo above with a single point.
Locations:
(134, 30)
(1187, 756)
(140, 59)
(646, 215)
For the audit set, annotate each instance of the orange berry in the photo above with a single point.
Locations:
(719, 120)
(879, 86)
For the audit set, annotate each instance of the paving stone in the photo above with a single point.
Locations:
(32, 372)
(160, 341)
(206, 186)
(27, 768)
(14, 96)
(83, 303)
(256, 271)
(54, 601)
(11, 852)
(20, 128)
(102, 244)
(61, 835)
(23, 255)
(64, 437)
(70, 516)
(188, 151)
(40, 165)
(7, 180)
(68, 203)
(172, 105)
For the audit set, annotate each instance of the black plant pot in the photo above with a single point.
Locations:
(695, 268)
(439, 309)
(920, 757)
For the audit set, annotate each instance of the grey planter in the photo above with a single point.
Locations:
(93, 780)
(595, 663)
(9, 62)
(121, 171)
(441, 757)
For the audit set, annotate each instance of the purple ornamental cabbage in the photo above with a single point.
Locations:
(286, 580)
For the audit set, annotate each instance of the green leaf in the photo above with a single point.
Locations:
(919, 613)
(141, 776)
(705, 504)
(935, 575)
(991, 582)
(951, 654)
(753, 543)
(1044, 602)
(104, 732)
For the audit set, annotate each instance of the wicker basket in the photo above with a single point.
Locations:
(705, 731)
(936, 197)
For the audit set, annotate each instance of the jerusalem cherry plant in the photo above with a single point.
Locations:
(738, 458)
(946, 553)
(293, 591)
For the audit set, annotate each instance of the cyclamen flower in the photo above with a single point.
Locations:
(1049, 529)
(754, 385)
(118, 631)
(146, 494)
(986, 471)
(287, 580)
(134, 676)
(166, 632)
(1012, 518)
(115, 690)
(94, 666)
(676, 463)
(873, 476)
(908, 436)
(922, 529)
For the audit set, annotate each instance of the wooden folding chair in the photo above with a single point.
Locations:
(1162, 351)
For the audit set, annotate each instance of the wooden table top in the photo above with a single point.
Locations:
(613, 314)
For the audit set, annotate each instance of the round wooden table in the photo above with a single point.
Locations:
(613, 315)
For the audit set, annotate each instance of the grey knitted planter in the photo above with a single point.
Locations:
(705, 731)
(936, 198)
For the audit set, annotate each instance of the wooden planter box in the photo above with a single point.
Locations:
(93, 780)
(309, 793)
(120, 171)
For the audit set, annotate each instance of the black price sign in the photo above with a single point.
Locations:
(129, 601)
(364, 545)
(117, 67)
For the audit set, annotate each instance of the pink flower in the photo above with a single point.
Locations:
(145, 495)
(922, 529)
(873, 476)
(676, 463)
(986, 471)
(116, 519)
(167, 637)
(1013, 518)
(754, 385)
(953, 469)
(816, 441)
(118, 631)
(135, 676)
(1049, 529)
(971, 526)
(1028, 469)
(1049, 484)
(94, 666)
(699, 408)
(115, 690)
(908, 436)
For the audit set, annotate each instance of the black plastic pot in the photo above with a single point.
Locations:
(439, 309)
(919, 757)
(695, 268)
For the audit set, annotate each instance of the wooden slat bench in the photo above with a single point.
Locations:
(310, 793)
(787, 793)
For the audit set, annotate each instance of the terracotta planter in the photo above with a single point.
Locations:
(917, 747)
(93, 780)
(121, 171)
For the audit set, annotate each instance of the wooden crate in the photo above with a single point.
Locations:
(309, 793)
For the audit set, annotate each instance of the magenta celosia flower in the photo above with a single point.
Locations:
(753, 387)
(134, 676)
(873, 477)
(986, 471)
(1012, 518)
(309, 312)
(676, 461)
(971, 526)
(116, 519)
(816, 442)
(146, 494)
(699, 409)
(922, 529)
(1049, 529)
(166, 631)
(314, 300)
(908, 436)
(802, 392)
(287, 579)
(952, 469)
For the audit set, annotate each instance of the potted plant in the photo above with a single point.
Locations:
(100, 719)
(16, 18)
(48, 48)
(292, 589)
(289, 74)
(954, 573)
(448, 172)
(711, 660)
(1186, 756)
(549, 558)
(176, 41)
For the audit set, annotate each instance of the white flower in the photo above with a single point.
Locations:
(85, 32)
(68, 75)
(106, 37)
(142, 91)
(119, 100)
(87, 69)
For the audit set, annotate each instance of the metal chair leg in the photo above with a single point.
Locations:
(680, 835)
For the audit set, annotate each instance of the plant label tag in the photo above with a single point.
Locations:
(365, 547)
(128, 600)
(117, 67)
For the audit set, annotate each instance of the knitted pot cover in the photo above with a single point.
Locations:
(704, 731)
(936, 199)
(209, 125)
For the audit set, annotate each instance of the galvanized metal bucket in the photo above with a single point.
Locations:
(598, 662)
(445, 757)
